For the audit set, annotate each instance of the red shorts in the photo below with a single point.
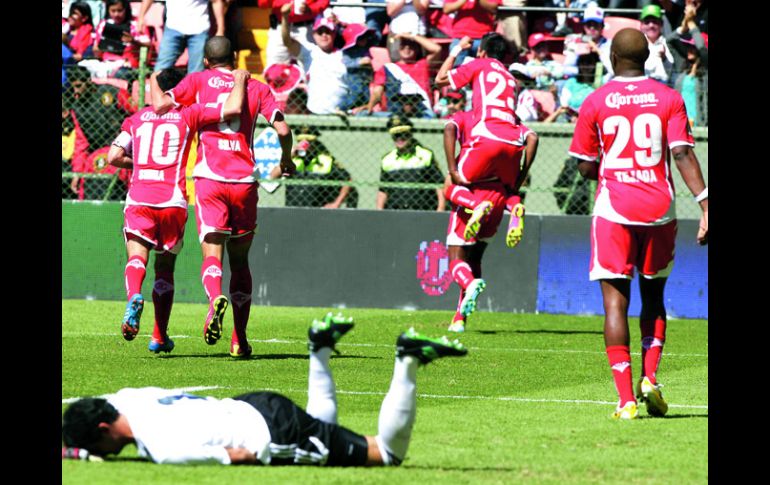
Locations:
(486, 159)
(163, 227)
(229, 208)
(617, 248)
(493, 192)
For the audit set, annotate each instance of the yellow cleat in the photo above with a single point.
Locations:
(474, 222)
(652, 397)
(515, 226)
(629, 411)
(458, 326)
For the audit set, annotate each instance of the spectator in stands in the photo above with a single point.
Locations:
(322, 63)
(528, 108)
(451, 103)
(590, 41)
(314, 161)
(358, 62)
(119, 14)
(302, 15)
(473, 18)
(284, 80)
(406, 83)
(97, 114)
(661, 61)
(376, 18)
(692, 84)
(675, 12)
(409, 162)
(514, 25)
(187, 25)
(406, 17)
(542, 67)
(575, 90)
(684, 38)
(565, 21)
(439, 24)
(78, 31)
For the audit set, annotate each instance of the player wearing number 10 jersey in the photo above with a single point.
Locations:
(225, 178)
(629, 125)
(156, 147)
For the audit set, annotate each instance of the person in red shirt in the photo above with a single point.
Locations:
(119, 12)
(78, 31)
(474, 19)
(156, 149)
(303, 13)
(226, 186)
(632, 126)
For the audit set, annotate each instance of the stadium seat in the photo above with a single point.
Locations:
(613, 24)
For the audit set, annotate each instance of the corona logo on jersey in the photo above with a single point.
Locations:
(433, 268)
(616, 100)
(218, 82)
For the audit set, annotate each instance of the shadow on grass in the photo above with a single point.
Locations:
(556, 332)
(254, 357)
(681, 416)
(464, 468)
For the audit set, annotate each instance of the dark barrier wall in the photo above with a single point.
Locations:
(378, 259)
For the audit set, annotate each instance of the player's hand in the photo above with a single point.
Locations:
(703, 229)
(457, 179)
(287, 167)
(466, 43)
(286, 8)
(241, 75)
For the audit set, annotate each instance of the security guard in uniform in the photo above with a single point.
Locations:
(315, 162)
(409, 162)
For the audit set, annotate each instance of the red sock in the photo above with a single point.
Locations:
(620, 362)
(240, 296)
(462, 196)
(511, 201)
(461, 272)
(458, 315)
(135, 272)
(162, 299)
(211, 277)
(653, 338)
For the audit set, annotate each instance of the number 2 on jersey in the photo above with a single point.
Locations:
(648, 135)
(493, 98)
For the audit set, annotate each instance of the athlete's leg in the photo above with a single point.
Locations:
(137, 251)
(240, 292)
(212, 248)
(616, 294)
(323, 335)
(163, 295)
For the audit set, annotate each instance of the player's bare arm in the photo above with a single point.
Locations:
(234, 102)
(285, 139)
(242, 456)
(529, 158)
(117, 157)
(490, 7)
(687, 163)
(589, 170)
(161, 102)
(442, 77)
(450, 143)
(292, 45)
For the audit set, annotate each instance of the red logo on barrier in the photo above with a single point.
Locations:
(433, 268)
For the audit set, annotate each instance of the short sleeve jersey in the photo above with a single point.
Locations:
(630, 124)
(160, 146)
(494, 97)
(225, 149)
(171, 427)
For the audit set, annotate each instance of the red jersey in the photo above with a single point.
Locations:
(224, 150)
(472, 20)
(631, 123)
(315, 8)
(494, 97)
(160, 146)
(463, 121)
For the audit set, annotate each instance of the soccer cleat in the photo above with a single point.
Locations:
(472, 292)
(651, 397)
(515, 226)
(474, 221)
(212, 331)
(327, 332)
(240, 352)
(458, 326)
(131, 317)
(628, 411)
(158, 346)
(427, 349)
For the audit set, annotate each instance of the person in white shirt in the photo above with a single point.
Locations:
(260, 428)
(660, 62)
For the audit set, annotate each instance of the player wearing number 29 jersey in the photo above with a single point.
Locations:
(629, 124)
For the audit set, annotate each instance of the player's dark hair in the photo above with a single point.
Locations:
(169, 78)
(586, 65)
(84, 9)
(218, 51)
(126, 7)
(494, 45)
(80, 423)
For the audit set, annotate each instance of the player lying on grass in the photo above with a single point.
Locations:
(260, 428)
(156, 148)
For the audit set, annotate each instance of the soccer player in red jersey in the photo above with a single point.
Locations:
(156, 147)
(630, 124)
(225, 178)
(493, 152)
(470, 229)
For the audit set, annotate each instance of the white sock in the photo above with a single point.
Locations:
(321, 393)
(398, 411)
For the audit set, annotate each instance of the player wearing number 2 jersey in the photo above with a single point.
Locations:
(225, 178)
(156, 147)
(630, 124)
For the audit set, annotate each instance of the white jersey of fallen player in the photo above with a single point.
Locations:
(171, 427)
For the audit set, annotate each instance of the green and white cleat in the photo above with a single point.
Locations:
(652, 397)
(327, 332)
(472, 292)
(427, 349)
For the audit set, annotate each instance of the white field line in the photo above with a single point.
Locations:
(439, 396)
(348, 344)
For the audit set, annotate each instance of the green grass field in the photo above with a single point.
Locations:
(529, 403)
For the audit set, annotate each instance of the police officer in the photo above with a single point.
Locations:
(409, 162)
